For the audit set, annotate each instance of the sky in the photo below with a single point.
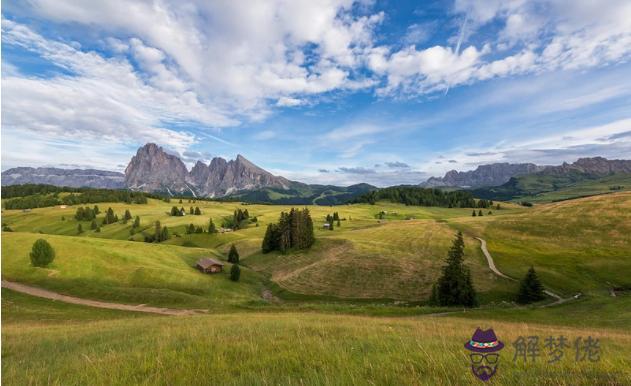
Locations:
(330, 91)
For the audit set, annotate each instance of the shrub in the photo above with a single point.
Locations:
(42, 253)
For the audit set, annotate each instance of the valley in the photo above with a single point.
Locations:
(363, 286)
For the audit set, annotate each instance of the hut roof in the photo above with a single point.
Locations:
(207, 262)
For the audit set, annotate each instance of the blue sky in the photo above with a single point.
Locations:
(336, 91)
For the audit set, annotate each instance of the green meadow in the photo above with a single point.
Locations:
(350, 310)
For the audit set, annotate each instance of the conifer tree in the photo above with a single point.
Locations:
(164, 233)
(480, 213)
(454, 287)
(235, 272)
(197, 211)
(79, 229)
(96, 210)
(233, 255)
(136, 222)
(127, 215)
(93, 225)
(530, 289)
(175, 211)
(192, 211)
(211, 226)
(157, 232)
(473, 214)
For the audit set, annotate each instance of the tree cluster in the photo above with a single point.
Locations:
(333, 219)
(410, 195)
(110, 217)
(86, 213)
(40, 196)
(238, 220)
(191, 228)
(177, 212)
(454, 287)
(161, 233)
(294, 230)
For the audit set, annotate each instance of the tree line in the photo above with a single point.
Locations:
(293, 230)
(50, 197)
(411, 195)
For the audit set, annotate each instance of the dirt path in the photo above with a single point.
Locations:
(42, 293)
(493, 268)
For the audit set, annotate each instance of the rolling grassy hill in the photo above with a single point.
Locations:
(576, 246)
(336, 300)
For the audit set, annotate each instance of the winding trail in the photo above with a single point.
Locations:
(42, 293)
(493, 268)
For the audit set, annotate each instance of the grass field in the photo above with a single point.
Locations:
(93, 347)
(352, 304)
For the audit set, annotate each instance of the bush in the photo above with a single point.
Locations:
(235, 273)
(42, 253)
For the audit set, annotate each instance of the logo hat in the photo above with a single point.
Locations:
(484, 341)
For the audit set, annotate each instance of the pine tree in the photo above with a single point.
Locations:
(192, 211)
(164, 233)
(480, 213)
(175, 211)
(455, 287)
(530, 289)
(137, 222)
(270, 241)
(338, 223)
(235, 272)
(93, 225)
(157, 232)
(96, 210)
(233, 255)
(473, 214)
(79, 229)
(197, 211)
(180, 200)
(127, 215)
(211, 226)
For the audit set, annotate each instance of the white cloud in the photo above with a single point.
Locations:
(265, 135)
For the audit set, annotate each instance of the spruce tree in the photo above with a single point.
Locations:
(136, 222)
(235, 272)
(157, 232)
(473, 214)
(480, 213)
(175, 211)
(164, 233)
(530, 289)
(233, 255)
(454, 287)
(42, 253)
(127, 215)
(192, 211)
(197, 211)
(211, 226)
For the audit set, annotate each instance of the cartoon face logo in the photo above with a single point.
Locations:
(484, 356)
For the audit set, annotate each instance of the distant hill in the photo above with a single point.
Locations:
(74, 178)
(302, 194)
(584, 177)
(484, 175)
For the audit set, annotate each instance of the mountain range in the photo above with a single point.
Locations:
(484, 175)
(154, 170)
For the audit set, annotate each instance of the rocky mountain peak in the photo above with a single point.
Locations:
(484, 175)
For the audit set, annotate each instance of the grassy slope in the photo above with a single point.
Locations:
(364, 258)
(92, 347)
(125, 272)
(576, 189)
(578, 245)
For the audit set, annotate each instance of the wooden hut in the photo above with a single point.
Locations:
(208, 265)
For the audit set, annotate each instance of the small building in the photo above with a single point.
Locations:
(208, 265)
(326, 225)
(62, 206)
